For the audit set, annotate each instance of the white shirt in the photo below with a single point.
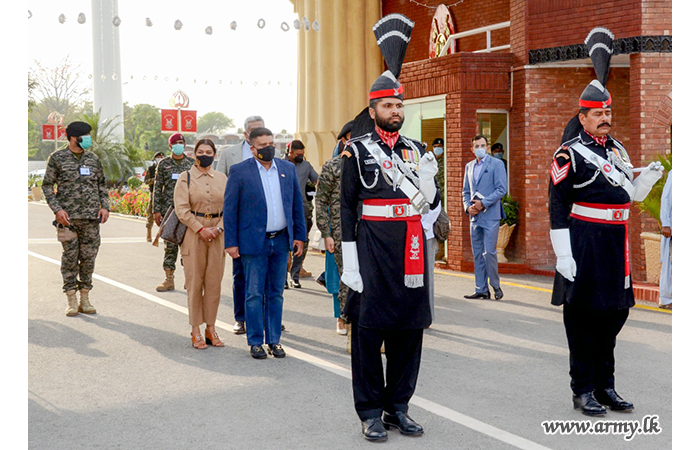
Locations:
(273, 197)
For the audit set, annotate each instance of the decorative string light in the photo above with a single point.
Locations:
(178, 25)
(62, 19)
(30, 13)
(233, 25)
(116, 21)
(208, 30)
(148, 22)
(81, 18)
(261, 23)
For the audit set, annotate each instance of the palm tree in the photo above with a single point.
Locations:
(118, 160)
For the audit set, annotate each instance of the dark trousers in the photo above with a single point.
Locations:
(403, 352)
(592, 336)
(238, 290)
(297, 261)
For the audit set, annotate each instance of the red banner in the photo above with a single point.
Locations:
(48, 133)
(169, 121)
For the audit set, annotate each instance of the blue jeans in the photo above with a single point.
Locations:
(265, 276)
(238, 290)
(484, 238)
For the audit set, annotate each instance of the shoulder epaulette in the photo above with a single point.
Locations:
(352, 140)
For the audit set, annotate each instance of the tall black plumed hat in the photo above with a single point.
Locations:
(393, 33)
(599, 44)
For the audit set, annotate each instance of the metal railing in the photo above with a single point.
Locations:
(487, 29)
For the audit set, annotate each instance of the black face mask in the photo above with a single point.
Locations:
(205, 160)
(299, 159)
(266, 154)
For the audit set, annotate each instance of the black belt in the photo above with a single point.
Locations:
(272, 234)
(206, 215)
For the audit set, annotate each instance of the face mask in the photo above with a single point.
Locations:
(178, 149)
(480, 153)
(85, 142)
(498, 155)
(158, 160)
(438, 151)
(299, 159)
(266, 154)
(205, 160)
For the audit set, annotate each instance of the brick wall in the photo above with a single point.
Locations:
(466, 16)
(470, 81)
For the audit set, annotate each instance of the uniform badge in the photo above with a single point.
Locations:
(607, 168)
(559, 173)
(387, 164)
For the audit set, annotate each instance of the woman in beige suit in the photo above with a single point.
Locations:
(199, 201)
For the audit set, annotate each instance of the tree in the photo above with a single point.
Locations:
(214, 123)
(56, 89)
(142, 126)
(118, 160)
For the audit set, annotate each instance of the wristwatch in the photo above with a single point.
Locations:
(221, 230)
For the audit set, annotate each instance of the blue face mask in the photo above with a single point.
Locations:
(480, 153)
(178, 149)
(438, 151)
(498, 155)
(85, 142)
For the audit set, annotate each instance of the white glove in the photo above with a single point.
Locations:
(427, 169)
(561, 241)
(351, 267)
(646, 180)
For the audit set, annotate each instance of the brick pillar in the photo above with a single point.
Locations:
(650, 134)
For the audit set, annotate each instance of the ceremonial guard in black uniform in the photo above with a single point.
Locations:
(391, 180)
(590, 191)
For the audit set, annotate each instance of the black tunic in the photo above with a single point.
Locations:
(598, 248)
(385, 303)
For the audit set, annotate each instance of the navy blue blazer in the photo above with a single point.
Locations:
(245, 209)
(492, 185)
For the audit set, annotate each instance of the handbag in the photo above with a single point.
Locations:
(171, 229)
(441, 227)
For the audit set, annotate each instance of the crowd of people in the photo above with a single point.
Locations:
(377, 203)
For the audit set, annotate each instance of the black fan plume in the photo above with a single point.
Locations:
(362, 124)
(393, 33)
(599, 44)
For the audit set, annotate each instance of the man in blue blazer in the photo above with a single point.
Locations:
(485, 183)
(263, 221)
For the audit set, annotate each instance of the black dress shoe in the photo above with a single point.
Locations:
(296, 284)
(405, 424)
(239, 327)
(276, 350)
(588, 405)
(612, 400)
(497, 293)
(476, 295)
(322, 279)
(373, 430)
(257, 352)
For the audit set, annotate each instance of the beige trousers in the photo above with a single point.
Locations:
(204, 263)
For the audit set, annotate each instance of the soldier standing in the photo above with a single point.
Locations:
(384, 264)
(328, 212)
(150, 180)
(167, 174)
(81, 204)
(590, 191)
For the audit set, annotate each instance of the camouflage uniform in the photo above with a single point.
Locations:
(82, 197)
(163, 189)
(150, 180)
(328, 213)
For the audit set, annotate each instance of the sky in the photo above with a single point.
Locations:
(249, 71)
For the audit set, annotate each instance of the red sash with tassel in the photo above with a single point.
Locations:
(414, 248)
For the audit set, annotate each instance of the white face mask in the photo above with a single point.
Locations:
(480, 153)
(438, 151)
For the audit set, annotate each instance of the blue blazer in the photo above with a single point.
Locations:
(492, 185)
(245, 209)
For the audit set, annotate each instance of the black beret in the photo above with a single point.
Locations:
(438, 141)
(347, 128)
(78, 129)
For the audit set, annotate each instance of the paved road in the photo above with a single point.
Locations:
(127, 377)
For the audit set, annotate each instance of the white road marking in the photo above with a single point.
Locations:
(435, 408)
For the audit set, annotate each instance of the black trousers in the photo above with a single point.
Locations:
(402, 349)
(592, 336)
